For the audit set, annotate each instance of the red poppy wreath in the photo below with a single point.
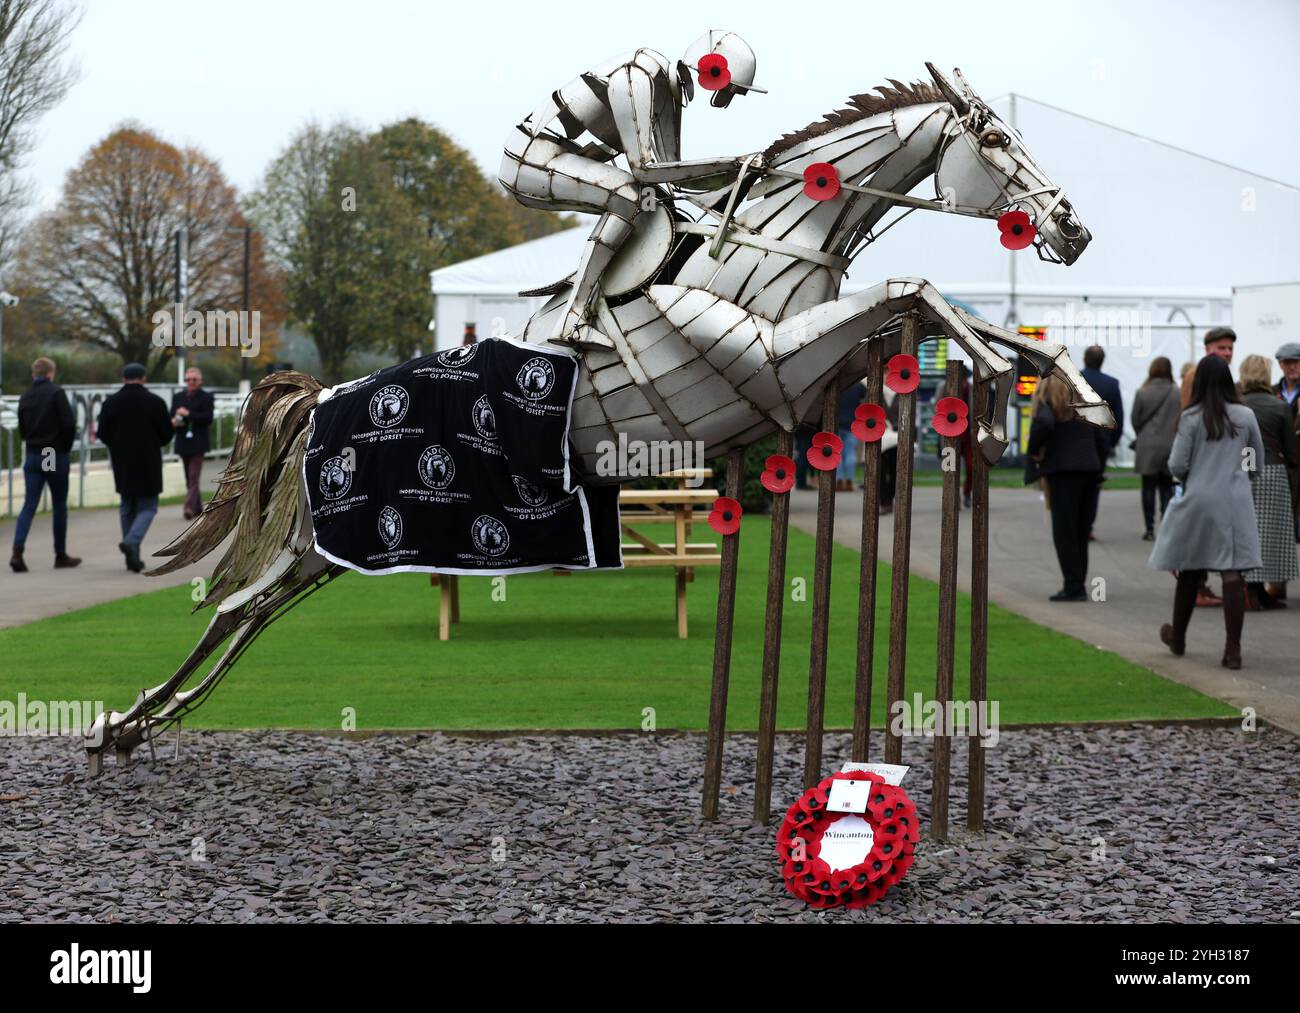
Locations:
(834, 859)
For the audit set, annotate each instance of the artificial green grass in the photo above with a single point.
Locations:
(596, 650)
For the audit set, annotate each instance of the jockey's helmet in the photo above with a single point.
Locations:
(724, 64)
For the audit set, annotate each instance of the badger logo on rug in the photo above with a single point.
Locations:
(485, 421)
(536, 379)
(335, 478)
(390, 527)
(437, 469)
(490, 536)
(454, 358)
(388, 406)
(531, 493)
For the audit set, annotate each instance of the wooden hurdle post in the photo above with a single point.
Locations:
(950, 456)
(979, 613)
(812, 756)
(772, 644)
(902, 550)
(722, 648)
(870, 559)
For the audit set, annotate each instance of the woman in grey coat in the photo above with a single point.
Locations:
(1155, 418)
(1211, 526)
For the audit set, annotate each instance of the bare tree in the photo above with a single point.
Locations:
(104, 255)
(34, 77)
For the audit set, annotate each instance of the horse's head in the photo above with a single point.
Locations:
(984, 164)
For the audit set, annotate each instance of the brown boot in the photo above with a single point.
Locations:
(16, 562)
(1174, 635)
(65, 562)
(1234, 614)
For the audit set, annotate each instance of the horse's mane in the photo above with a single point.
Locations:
(895, 95)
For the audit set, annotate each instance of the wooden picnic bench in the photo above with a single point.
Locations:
(683, 507)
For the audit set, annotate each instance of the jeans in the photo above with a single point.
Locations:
(137, 513)
(36, 479)
(849, 459)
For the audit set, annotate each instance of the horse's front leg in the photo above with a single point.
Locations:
(1047, 359)
(827, 341)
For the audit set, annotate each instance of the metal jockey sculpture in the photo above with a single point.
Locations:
(722, 325)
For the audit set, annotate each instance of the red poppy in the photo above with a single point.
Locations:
(1017, 230)
(714, 75)
(950, 416)
(778, 474)
(725, 518)
(904, 374)
(824, 455)
(869, 424)
(821, 181)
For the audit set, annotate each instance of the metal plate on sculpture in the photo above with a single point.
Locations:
(644, 254)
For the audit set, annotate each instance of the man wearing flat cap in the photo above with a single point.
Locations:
(1220, 341)
(135, 425)
(1288, 389)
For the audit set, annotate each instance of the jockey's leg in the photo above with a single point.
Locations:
(605, 241)
(540, 173)
(573, 179)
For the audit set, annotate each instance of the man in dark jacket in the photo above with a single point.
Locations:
(192, 411)
(48, 427)
(1107, 388)
(135, 426)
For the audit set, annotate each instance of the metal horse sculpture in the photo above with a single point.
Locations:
(721, 326)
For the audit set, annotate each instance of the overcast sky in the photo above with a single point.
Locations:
(238, 77)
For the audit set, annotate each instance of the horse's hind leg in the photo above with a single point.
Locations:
(163, 705)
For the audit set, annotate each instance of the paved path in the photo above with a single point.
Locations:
(102, 576)
(1023, 572)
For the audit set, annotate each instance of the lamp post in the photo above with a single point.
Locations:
(248, 262)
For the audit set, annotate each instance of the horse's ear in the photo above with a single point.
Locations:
(953, 96)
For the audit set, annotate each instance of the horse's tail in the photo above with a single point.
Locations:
(259, 496)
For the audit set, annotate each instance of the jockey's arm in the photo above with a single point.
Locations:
(631, 99)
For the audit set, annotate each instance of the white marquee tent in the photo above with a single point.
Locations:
(1173, 233)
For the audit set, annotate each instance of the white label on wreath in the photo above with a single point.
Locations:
(891, 772)
(847, 842)
(849, 796)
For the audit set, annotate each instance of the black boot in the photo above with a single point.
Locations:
(1234, 614)
(1174, 634)
(62, 561)
(133, 561)
(16, 562)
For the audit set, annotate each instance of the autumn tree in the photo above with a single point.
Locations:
(357, 222)
(34, 77)
(104, 256)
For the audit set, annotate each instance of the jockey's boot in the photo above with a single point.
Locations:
(603, 244)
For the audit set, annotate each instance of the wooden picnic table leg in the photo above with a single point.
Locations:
(902, 551)
(722, 649)
(772, 644)
(870, 558)
(948, 538)
(680, 513)
(444, 607)
(812, 757)
(979, 617)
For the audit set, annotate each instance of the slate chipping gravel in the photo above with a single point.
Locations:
(1199, 825)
